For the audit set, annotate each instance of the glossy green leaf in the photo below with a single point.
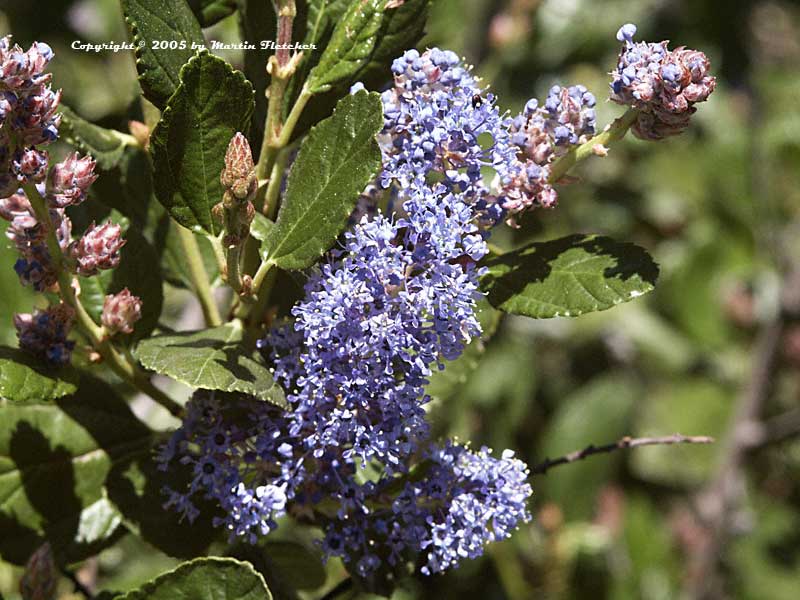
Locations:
(569, 277)
(211, 359)
(351, 46)
(401, 28)
(259, 229)
(24, 379)
(212, 103)
(208, 12)
(152, 22)
(336, 162)
(54, 459)
(205, 579)
(321, 17)
(106, 146)
(136, 273)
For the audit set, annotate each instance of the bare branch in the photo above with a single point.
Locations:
(621, 444)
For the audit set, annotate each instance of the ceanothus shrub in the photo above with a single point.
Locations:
(311, 410)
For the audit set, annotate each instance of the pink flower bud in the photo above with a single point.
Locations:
(239, 174)
(121, 311)
(98, 249)
(69, 181)
(15, 206)
(30, 165)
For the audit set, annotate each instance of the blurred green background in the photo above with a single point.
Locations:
(718, 208)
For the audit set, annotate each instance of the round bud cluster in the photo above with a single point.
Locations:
(28, 120)
(44, 333)
(663, 85)
(98, 249)
(121, 311)
(27, 114)
(541, 134)
(69, 181)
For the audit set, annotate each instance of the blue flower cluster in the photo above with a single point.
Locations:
(434, 115)
(231, 445)
(44, 333)
(662, 85)
(386, 308)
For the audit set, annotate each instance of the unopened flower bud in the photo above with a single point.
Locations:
(239, 174)
(44, 333)
(98, 249)
(69, 181)
(662, 85)
(41, 576)
(30, 165)
(121, 311)
(141, 132)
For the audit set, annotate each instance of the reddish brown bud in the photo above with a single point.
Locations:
(121, 311)
(40, 578)
(239, 174)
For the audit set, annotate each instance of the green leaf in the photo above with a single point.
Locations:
(54, 459)
(154, 21)
(335, 164)
(568, 277)
(209, 12)
(24, 379)
(401, 28)
(321, 17)
(174, 259)
(136, 273)
(212, 103)
(106, 146)
(211, 359)
(259, 229)
(351, 46)
(205, 579)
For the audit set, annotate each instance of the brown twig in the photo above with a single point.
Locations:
(717, 504)
(621, 444)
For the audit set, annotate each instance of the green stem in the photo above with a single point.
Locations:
(274, 186)
(97, 335)
(198, 276)
(219, 252)
(614, 132)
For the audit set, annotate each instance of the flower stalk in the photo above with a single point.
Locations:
(97, 335)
